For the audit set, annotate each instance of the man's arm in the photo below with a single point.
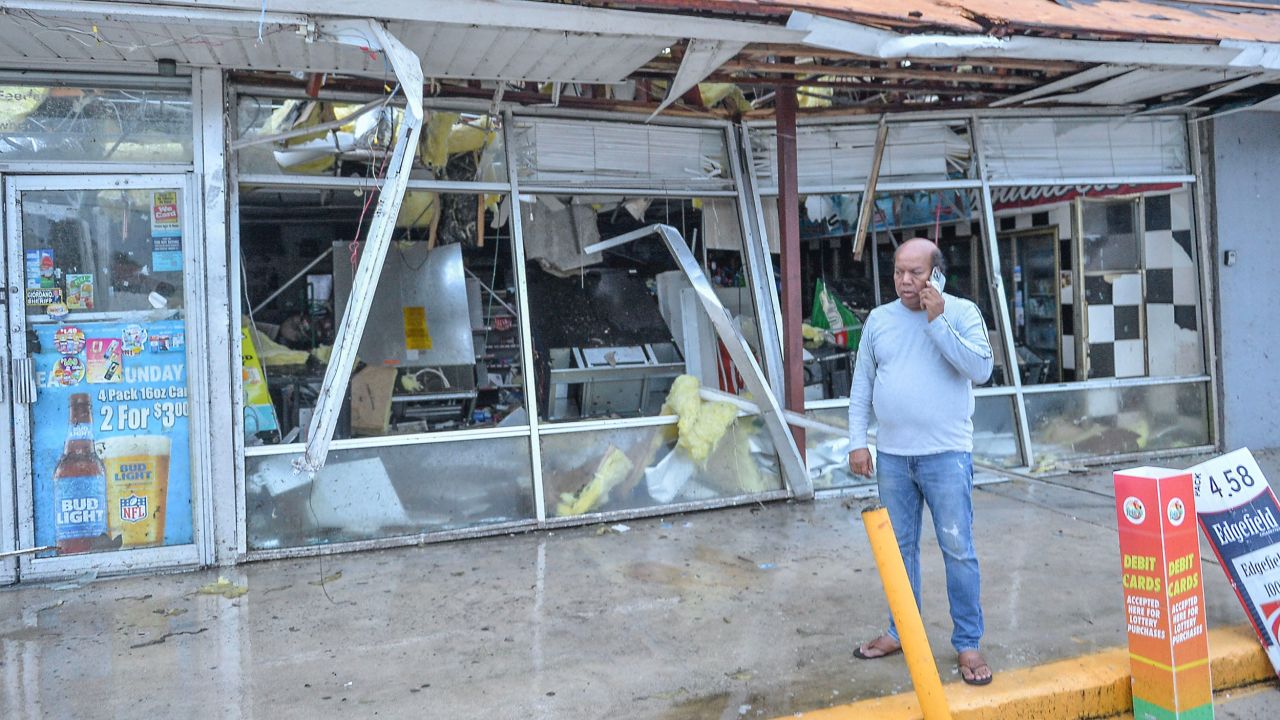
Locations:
(962, 339)
(864, 378)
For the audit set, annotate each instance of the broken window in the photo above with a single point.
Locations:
(1102, 421)
(441, 350)
(613, 329)
(623, 333)
(72, 123)
(364, 493)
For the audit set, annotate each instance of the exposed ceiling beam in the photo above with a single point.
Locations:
(824, 54)
(870, 109)
(863, 71)
(932, 88)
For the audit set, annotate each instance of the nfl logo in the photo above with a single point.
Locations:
(133, 508)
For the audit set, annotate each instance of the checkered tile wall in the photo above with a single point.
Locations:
(1173, 287)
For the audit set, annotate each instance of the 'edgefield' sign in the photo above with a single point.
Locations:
(1241, 519)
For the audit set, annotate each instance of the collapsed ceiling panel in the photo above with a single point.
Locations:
(1142, 84)
(1182, 20)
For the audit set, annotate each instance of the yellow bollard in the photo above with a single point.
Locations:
(906, 616)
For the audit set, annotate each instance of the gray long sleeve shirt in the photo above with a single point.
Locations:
(917, 377)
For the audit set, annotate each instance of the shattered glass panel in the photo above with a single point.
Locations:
(638, 467)
(828, 454)
(87, 124)
(613, 329)
(995, 432)
(368, 493)
(1111, 421)
(458, 147)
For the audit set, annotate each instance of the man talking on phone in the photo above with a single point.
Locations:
(918, 361)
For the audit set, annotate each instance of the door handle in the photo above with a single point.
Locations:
(24, 381)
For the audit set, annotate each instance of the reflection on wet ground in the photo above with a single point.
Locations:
(748, 612)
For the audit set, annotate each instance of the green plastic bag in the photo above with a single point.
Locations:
(832, 315)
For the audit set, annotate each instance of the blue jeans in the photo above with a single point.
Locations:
(945, 482)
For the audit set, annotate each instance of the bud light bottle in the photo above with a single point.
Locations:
(79, 485)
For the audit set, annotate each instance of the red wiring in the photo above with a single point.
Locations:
(379, 177)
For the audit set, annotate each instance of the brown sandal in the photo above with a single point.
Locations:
(860, 652)
(973, 667)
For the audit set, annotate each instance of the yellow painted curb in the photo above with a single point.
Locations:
(1090, 686)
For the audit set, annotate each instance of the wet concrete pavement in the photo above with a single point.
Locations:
(747, 612)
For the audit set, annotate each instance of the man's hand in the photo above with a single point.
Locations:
(860, 463)
(932, 301)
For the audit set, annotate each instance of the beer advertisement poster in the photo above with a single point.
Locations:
(1240, 518)
(134, 489)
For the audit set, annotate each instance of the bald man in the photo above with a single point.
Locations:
(918, 361)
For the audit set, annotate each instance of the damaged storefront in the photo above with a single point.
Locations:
(325, 284)
(632, 391)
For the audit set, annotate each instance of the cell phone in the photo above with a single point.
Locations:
(937, 280)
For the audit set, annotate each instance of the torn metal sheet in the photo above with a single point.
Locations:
(794, 471)
(408, 70)
(1255, 55)
(701, 58)
(1182, 20)
(873, 42)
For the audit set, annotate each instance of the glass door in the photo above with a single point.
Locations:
(98, 309)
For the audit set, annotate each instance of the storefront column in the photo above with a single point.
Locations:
(789, 248)
(217, 466)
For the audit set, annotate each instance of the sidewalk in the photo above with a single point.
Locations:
(749, 612)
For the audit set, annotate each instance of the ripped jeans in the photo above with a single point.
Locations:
(945, 482)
